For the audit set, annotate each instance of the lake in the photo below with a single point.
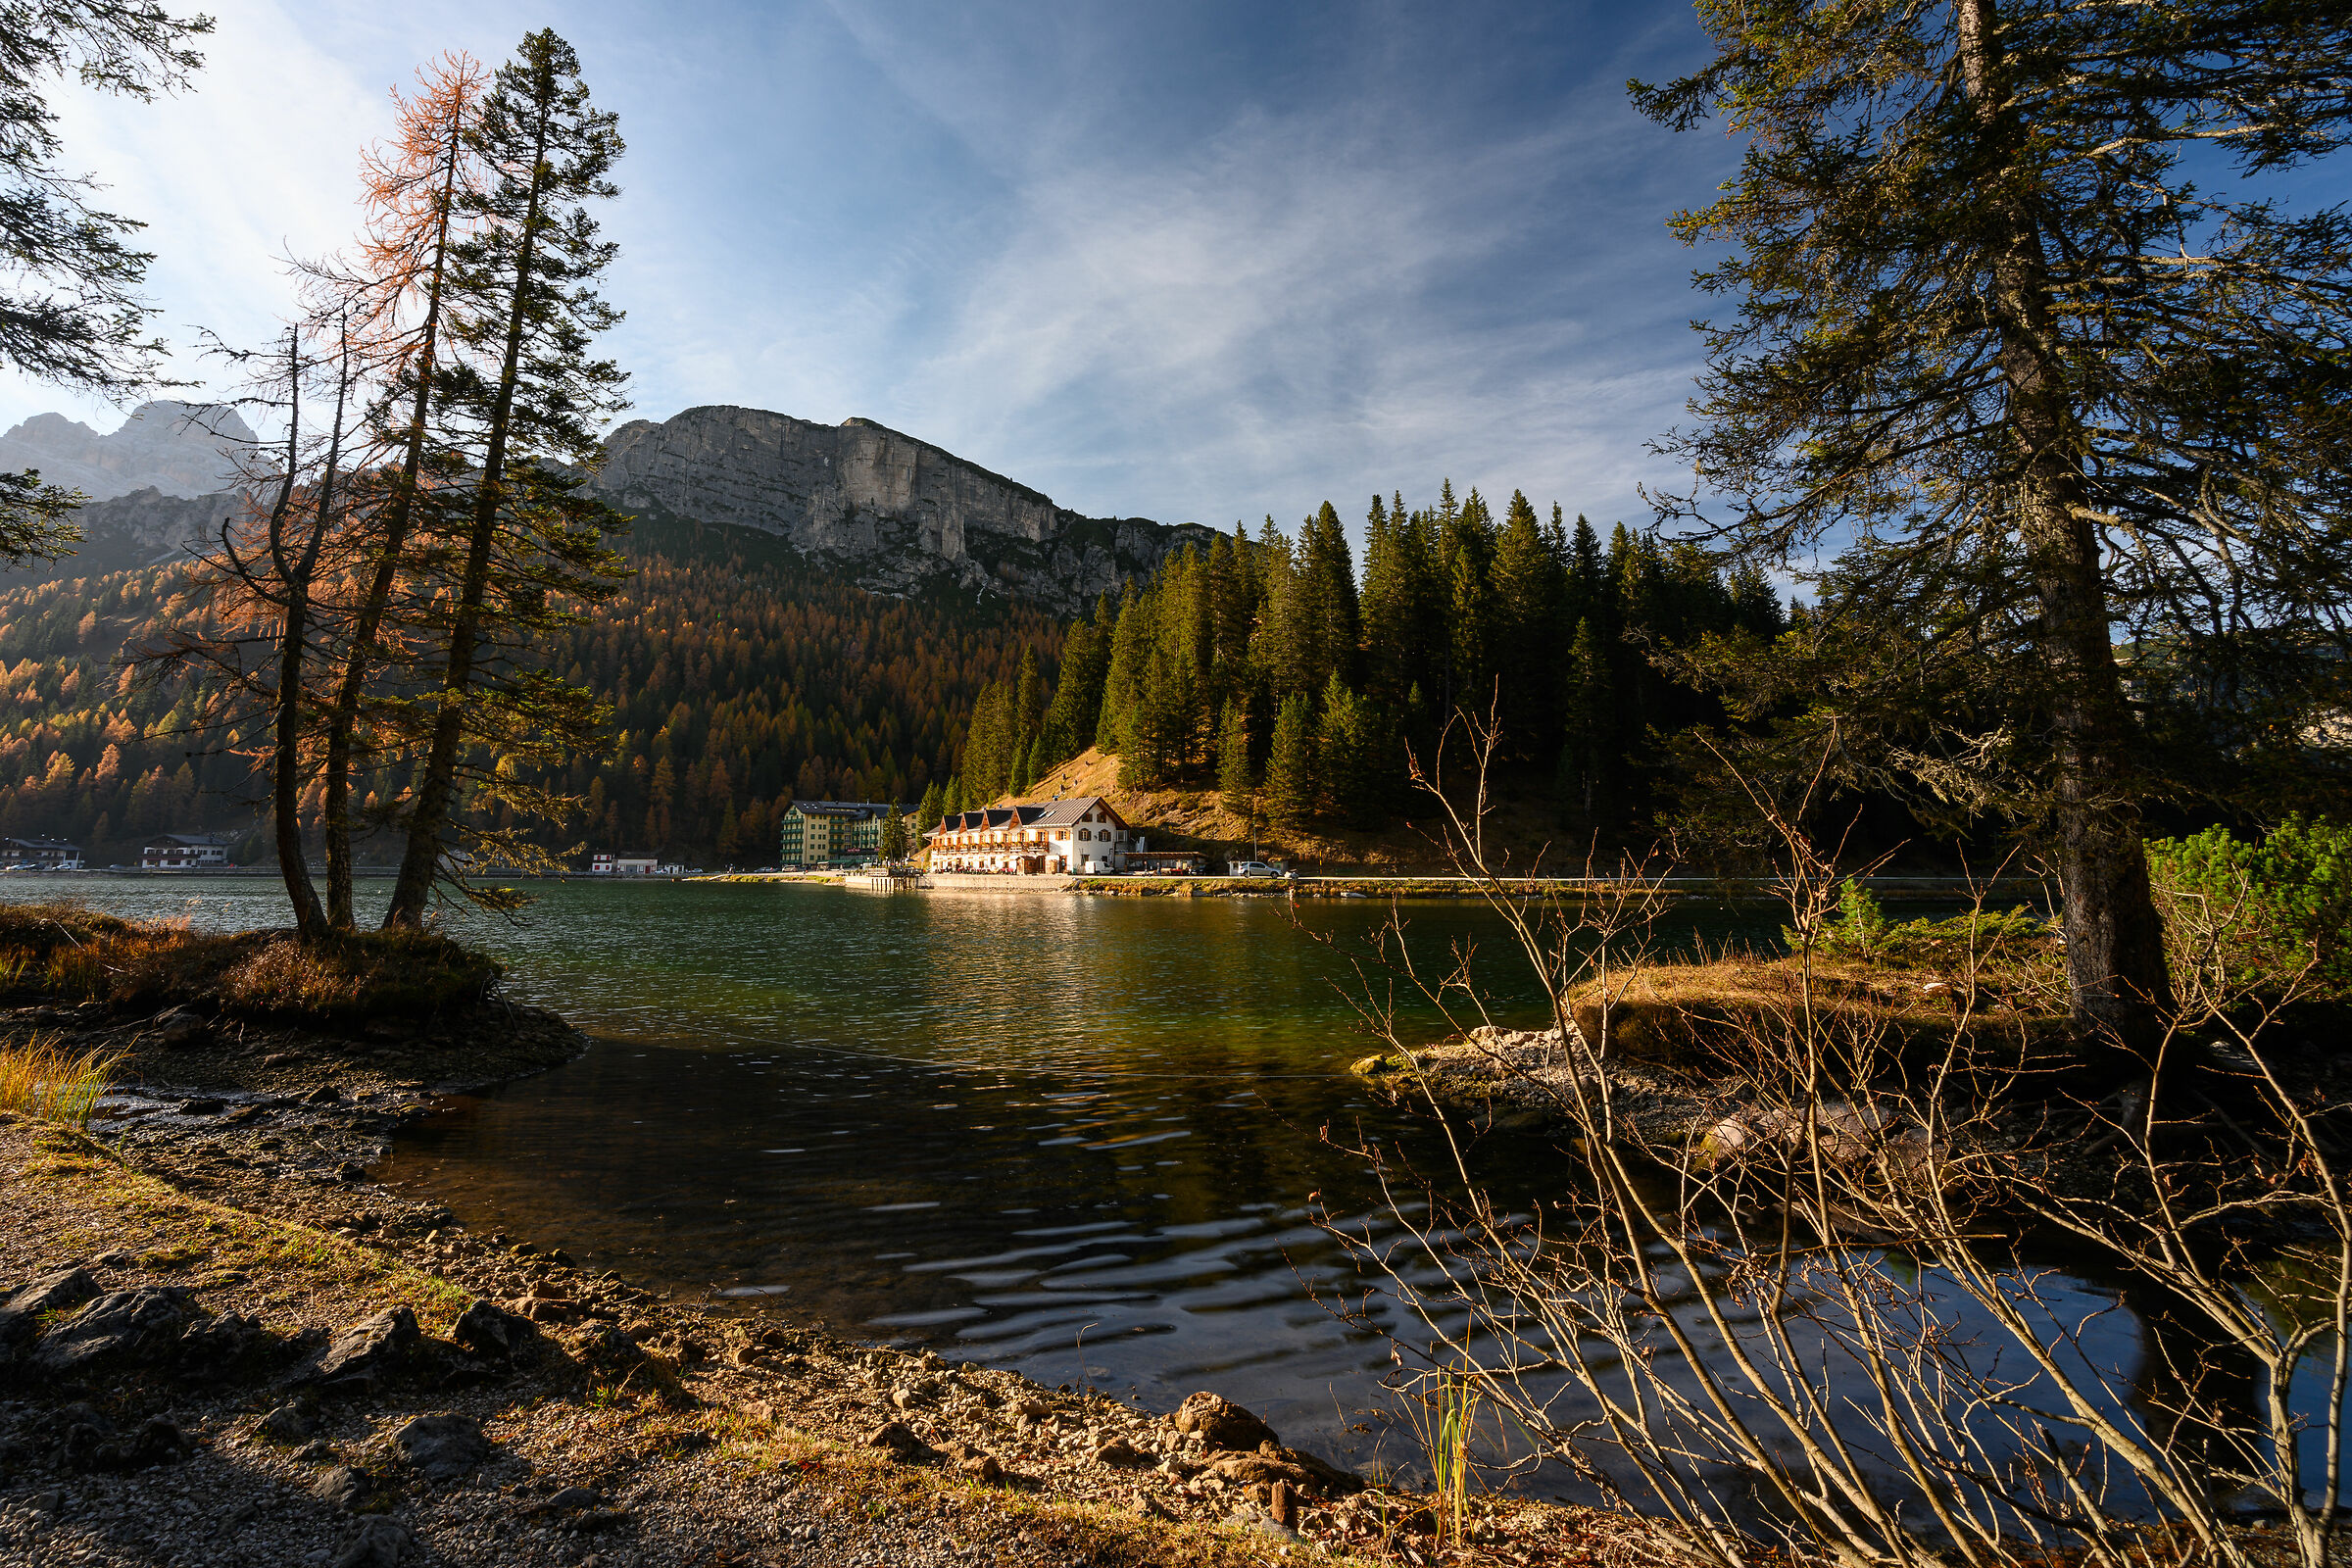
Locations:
(1079, 1137)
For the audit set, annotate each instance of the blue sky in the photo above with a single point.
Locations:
(1196, 262)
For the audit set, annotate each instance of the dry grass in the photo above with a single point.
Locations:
(41, 1078)
(63, 953)
(1698, 1013)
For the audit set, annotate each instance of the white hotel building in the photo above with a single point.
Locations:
(1063, 838)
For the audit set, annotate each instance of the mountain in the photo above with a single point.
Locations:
(175, 449)
(889, 512)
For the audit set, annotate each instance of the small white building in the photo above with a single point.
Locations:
(40, 855)
(606, 863)
(186, 851)
(1081, 837)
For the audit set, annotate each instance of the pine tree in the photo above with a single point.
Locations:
(1123, 679)
(1291, 791)
(1328, 572)
(895, 838)
(1527, 596)
(1349, 757)
(934, 807)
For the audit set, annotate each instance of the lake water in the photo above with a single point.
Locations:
(1080, 1137)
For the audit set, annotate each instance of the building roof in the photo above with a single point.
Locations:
(858, 809)
(160, 841)
(1050, 814)
(37, 844)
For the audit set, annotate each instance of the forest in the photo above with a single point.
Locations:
(739, 680)
(1268, 667)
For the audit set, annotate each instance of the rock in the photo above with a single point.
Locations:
(90, 1444)
(324, 1094)
(175, 449)
(203, 1105)
(486, 1331)
(288, 1423)
(179, 1029)
(1119, 1453)
(444, 1444)
(369, 1349)
(898, 1439)
(977, 1462)
(208, 1351)
(569, 1500)
(608, 1349)
(1283, 1506)
(1220, 1423)
(380, 1544)
(351, 1170)
(1275, 1465)
(315, 1452)
(344, 1488)
(1249, 1516)
(889, 511)
(122, 1323)
(20, 1313)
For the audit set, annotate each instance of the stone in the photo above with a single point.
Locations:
(370, 1348)
(889, 511)
(443, 1445)
(380, 1544)
(324, 1094)
(898, 1439)
(1283, 1505)
(570, 1499)
(345, 1487)
(351, 1170)
(122, 1323)
(209, 1351)
(1119, 1453)
(203, 1105)
(288, 1423)
(63, 1290)
(1220, 1423)
(486, 1331)
(179, 1029)
(1252, 1517)
(173, 449)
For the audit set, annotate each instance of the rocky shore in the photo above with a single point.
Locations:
(221, 1342)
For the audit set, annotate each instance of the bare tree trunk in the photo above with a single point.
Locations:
(343, 720)
(286, 762)
(2114, 938)
(437, 783)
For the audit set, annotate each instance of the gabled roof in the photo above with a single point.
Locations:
(1051, 813)
(857, 810)
(158, 841)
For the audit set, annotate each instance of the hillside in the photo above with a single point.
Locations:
(1523, 825)
(740, 676)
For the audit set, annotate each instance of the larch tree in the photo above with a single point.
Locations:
(417, 192)
(2020, 311)
(525, 403)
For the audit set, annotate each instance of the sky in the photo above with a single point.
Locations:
(1199, 263)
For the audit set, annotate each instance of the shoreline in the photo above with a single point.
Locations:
(249, 1171)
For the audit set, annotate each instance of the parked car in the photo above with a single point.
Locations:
(1254, 868)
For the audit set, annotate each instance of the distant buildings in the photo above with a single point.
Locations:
(626, 864)
(186, 851)
(1062, 837)
(821, 833)
(40, 855)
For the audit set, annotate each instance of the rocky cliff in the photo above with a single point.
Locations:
(175, 449)
(889, 511)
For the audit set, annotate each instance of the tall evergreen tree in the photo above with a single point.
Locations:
(1526, 600)
(1988, 328)
(1291, 793)
(1237, 777)
(530, 538)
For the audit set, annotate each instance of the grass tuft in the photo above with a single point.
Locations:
(42, 1078)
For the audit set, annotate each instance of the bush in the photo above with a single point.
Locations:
(2260, 916)
(1862, 931)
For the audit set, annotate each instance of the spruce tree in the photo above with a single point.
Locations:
(934, 807)
(1237, 777)
(1527, 596)
(1290, 792)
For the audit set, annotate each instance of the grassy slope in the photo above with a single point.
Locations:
(1520, 827)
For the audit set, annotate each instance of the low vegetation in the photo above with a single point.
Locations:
(66, 953)
(43, 1078)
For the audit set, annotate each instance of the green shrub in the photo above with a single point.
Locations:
(2258, 915)
(1861, 931)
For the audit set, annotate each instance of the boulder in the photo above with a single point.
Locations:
(1220, 1423)
(122, 1323)
(486, 1331)
(342, 1487)
(179, 1029)
(380, 1544)
(209, 1351)
(1122, 1455)
(443, 1445)
(20, 1313)
(898, 1439)
(369, 1349)
(288, 1423)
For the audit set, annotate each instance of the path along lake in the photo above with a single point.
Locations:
(1073, 1136)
